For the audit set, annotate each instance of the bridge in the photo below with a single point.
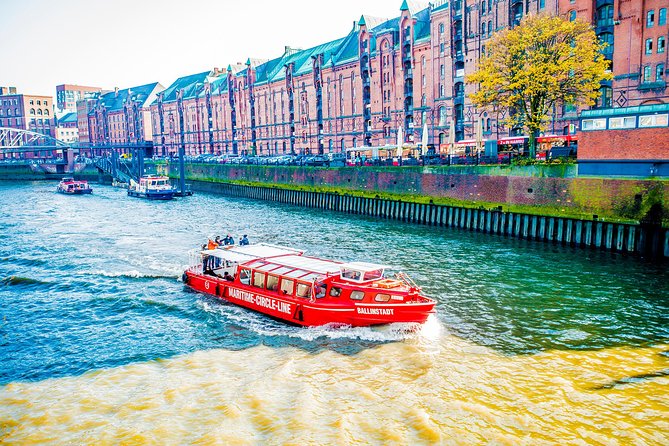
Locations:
(19, 141)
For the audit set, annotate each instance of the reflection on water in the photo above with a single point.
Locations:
(100, 343)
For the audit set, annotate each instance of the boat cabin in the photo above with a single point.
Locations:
(287, 272)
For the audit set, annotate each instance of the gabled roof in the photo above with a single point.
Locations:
(421, 29)
(143, 95)
(188, 84)
(68, 118)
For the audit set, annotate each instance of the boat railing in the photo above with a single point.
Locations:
(195, 260)
(407, 280)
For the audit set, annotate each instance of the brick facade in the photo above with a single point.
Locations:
(384, 75)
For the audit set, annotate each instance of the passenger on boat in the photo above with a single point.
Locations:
(211, 244)
(228, 277)
(243, 241)
(228, 240)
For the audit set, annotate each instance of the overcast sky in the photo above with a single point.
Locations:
(124, 43)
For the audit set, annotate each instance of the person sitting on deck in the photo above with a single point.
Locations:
(229, 240)
(211, 244)
(228, 277)
(244, 240)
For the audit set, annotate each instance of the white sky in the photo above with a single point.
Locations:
(123, 43)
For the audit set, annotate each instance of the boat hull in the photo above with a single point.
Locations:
(152, 195)
(309, 312)
(76, 192)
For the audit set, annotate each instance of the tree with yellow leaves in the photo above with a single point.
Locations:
(543, 62)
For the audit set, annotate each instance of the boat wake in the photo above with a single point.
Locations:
(133, 274)
(22, 281)
(265, 326)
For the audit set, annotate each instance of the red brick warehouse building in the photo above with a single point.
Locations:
(384, 75)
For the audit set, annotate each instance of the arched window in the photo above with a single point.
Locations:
(659, 72)
(32, 111)
(483, 29)
(605, 15)
(441, 28)
(46, 112)
(39, 111)
(490, 28)
(572, 15)
(442, 116)
(341, 144)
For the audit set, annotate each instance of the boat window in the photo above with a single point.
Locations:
(335, 292)
(258, 279)
(382, 297)
(351, 274)
(371, 275)
(287, 286)
(320, 290)
(303, 290)
(245, 276)
(357, 295)
(272, 282)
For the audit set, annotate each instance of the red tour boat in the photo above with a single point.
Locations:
(70, 186)
(285, 284)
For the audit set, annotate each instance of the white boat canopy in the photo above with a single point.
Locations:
(240, 254)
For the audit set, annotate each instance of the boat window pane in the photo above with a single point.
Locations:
(382, 297)
(272, 282)
(351, 274)
(357, 295)
(287, 286)
(303, 290)
(371, 275)
(245, 276)
(258, 279)
(335, 292)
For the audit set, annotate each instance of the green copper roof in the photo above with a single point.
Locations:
(362, 22)
(114, 101)
(187, 83)
(637, 110)
(404, 6)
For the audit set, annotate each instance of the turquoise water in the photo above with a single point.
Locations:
(100, 342)
(92, 282)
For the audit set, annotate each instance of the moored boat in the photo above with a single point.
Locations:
(285, 284)
(152, 187)
(70, 186)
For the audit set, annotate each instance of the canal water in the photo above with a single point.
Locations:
(101, 343)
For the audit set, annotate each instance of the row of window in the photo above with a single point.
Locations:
(39, 102)
(661, 17)
(661, 43)
(18, 121)
(625, 122)
(290, 287)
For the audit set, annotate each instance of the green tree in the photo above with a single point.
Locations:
(545, 61)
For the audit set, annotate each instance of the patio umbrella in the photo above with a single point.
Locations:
(451, 138)
(423, 140)
(479, 136)
(400, 142)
